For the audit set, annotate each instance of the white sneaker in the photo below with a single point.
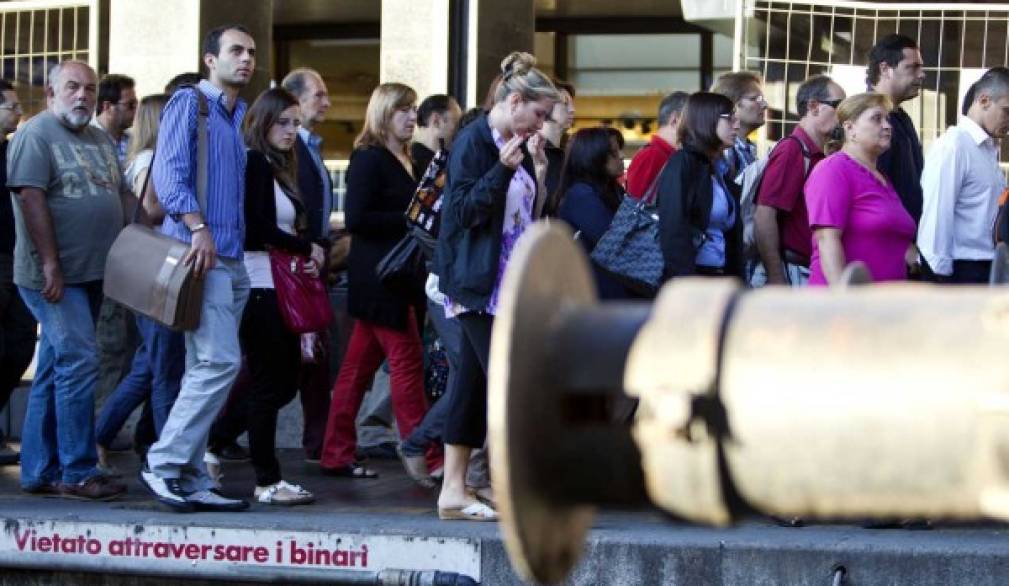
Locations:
(209, 500)
(213, 464)
(283, 493)
(167, 491)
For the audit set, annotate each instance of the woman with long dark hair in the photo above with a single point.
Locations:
(380, 183)
(700, 229)
(274, 219)
(589, 193)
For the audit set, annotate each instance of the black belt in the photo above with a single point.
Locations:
(794, 258)
(709, 271)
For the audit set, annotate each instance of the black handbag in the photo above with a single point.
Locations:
(402, 270)
(629, 249)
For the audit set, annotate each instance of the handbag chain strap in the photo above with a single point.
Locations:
(652, 193)
(201, 157)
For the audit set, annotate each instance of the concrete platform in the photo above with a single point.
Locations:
(394, 522)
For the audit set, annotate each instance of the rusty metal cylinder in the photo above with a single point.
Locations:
(885, 401)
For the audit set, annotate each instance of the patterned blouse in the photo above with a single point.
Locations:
(518, 216)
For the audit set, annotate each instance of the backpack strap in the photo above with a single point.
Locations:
(807, 157)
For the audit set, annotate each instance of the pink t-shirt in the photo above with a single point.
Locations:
(875, 227)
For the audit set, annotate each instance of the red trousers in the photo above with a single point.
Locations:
(369, 345)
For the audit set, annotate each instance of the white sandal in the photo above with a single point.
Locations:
(472, 512)
(283, 493)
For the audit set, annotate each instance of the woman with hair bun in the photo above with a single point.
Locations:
(495, 187)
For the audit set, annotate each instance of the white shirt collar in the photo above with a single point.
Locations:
(974, 130)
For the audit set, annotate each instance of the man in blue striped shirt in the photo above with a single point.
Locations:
(175, 472)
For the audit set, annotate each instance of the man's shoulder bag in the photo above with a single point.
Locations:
(144, 270)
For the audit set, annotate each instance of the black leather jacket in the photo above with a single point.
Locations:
(472, 217)
(685, 197)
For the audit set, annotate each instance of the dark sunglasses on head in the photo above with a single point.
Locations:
(831, 103)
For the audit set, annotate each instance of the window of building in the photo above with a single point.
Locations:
(39, 34)
(789, 41)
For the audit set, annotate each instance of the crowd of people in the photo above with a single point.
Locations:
(850, 183)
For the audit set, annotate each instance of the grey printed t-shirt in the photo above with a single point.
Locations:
(82, 180)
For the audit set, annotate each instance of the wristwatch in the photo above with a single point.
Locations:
(198, 227)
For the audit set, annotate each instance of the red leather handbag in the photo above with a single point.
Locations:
(304, 304)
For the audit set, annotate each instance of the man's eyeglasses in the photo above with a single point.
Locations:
(758, 98)
(11, 107)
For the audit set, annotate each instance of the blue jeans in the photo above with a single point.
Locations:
(58, 437)
(430, 429)
(796, 275)
(213, 358)
(156, 374)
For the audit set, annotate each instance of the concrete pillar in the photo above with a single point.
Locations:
(154, 40)
(415, 40)
(496, 28)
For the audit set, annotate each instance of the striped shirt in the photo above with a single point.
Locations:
(175, 168)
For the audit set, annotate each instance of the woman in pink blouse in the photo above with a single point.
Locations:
(854, 212)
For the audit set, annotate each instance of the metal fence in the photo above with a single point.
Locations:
(38, 34)
(788, 41)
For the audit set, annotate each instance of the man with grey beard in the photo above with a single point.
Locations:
(70, 206)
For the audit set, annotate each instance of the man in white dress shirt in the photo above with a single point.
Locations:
(961, 184)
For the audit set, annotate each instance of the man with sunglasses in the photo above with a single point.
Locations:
(780, 221)
(115, 329)
(117, 107)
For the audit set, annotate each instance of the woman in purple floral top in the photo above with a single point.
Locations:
(495, 185)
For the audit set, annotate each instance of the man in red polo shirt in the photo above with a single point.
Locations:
(647, 163)
(780, 221)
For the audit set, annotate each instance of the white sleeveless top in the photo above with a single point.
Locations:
(257, 262)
